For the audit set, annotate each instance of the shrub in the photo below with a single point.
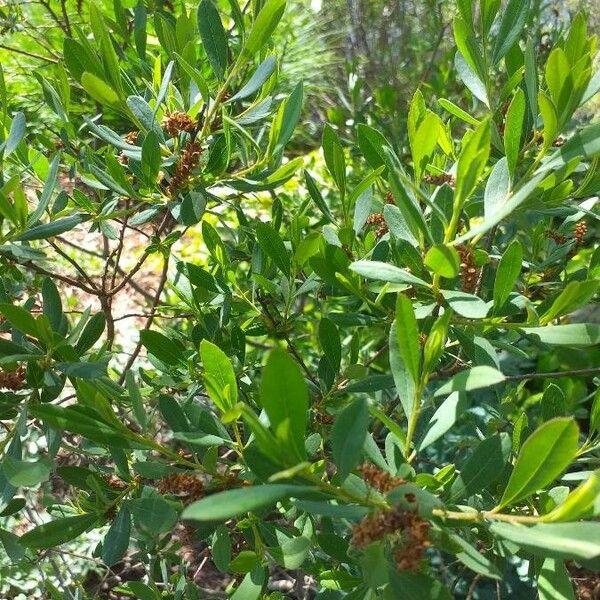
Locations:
(380, 382)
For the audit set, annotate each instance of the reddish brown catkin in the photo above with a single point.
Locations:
(12, 380)
(177, 122)
(189, 160)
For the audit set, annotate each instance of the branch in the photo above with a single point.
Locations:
(555, 374)
(157, 295)
(29, 54)
(64, 278)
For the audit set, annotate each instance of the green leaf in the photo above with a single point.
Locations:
(13, 507)
(16, 134)
(142, 591)
(51, 229)
(507, 274)
(333, 153)
(531, 77)
(91, 333)
(372, 143)
(288, 117)
(471, 379)
(116, 540)
(443, 260)
(474, 559)
(284, 396)
(161, 346)
(405, 199)
(348, 436)
(483, 467)
(252, 585)
(466, 305)
(470, 78)
(550, 119)
(558, 540)
(11, 544)
(21, 473)
(573, 334)
(151, 157)
(58, 531)
(221, 548)
(424, 142)
(20, 319)
(553, 403)
(153, 515)
(219, 376)
(83, 370)
(579, 503)
(585, 143)
(513, 130)
(458, 112)
(292, 553)
(316, 195)
(407, 332)
(77, 419)
(546, 453)
(414, 586)
(99, 90)
(402, 377)
(329, 337)
(512, 24)
(265, 23)
(472, 162)
(213, 36)
(373, 564)
(554, 581)
(273, 246)
(380, 271)
(468, 47)
(195, 76)
(444, 418)
(575, 295)
(262, 73)
(231, 503)
(52, 303)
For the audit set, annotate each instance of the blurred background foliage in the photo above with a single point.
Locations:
(360, 60)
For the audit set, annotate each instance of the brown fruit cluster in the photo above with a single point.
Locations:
(469, 273)
(389, 198)
(409, 556)
(379, 220)
(414, 535)
(579, 232)
(12, 380)
(381, 480)
(177, 122)
(555, 236)
(189, 160)
(377, 525)
(114, 482)
(187, 487)
(440, 179)
(132, 137)
(324, 419)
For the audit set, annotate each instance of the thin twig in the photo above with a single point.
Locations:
(555, 374)
(157, 295)
(64, 278)
(473, 587)
(74, 263)
(29, 54)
